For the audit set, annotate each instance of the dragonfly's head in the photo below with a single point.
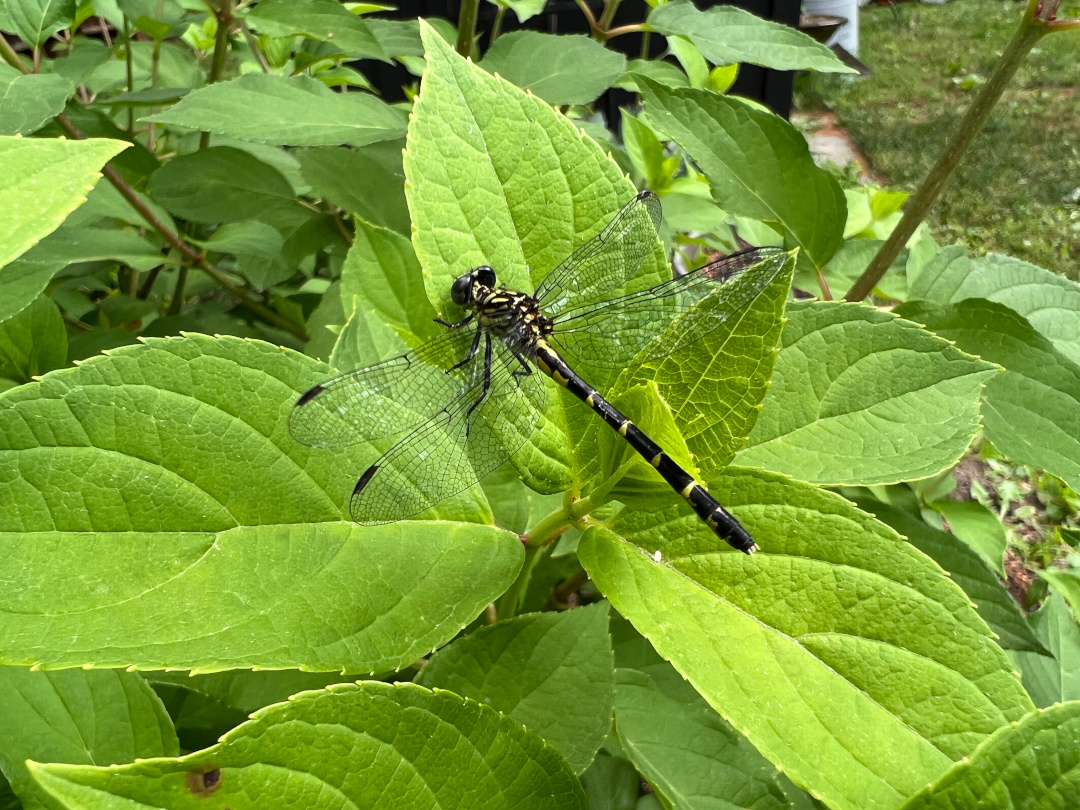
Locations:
(466, 287)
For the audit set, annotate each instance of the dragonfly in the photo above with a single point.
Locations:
(470, 398)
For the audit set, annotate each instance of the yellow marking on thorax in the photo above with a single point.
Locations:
(559, 378)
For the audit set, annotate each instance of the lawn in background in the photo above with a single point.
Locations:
(1018, 189)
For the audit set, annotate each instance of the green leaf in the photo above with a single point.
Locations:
(1031, 411)
(523, 9)
(382, 290)
(73, 245)
(34, 21)
(610, 783)
(220, 184)
(28, 101)
(150, 97)
(567, 69)
(368, 182)
(494, 176)
(647, 153)
(843, 654)
(41, 182)
(726, 35)
(758, 165)
(697, 69)
(839, 411)
(285, 111)
(247, 690)
(978, 527)
(197, 534)
(715, 386)
(971, 572)
(1055, 679)
(1049, 302)
(21, 282)
(552, 672)
(79, 717)
(687, 751)
(397, 37)
(659, 71)
(33, 341)
(250, 238)
(1032, 763)
(1067, 583)
(365, 745)
(324, 20)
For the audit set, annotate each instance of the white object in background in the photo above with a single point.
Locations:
(847, 35)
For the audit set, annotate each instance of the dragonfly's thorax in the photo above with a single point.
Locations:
(511, 314)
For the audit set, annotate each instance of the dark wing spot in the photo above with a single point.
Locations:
(364, 479)
(309, 395)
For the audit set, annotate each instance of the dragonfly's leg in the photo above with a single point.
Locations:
(526, 369)
(457, 325)
(472, 351)
(487, 385)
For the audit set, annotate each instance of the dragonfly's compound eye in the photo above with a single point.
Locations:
(485, 275)
(461, 292)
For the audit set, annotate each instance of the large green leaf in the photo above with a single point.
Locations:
(41, 182)
(28, 101)
(1031, 411)
(369, 182)
(1055, 679)
(247, 690)
(220, 184)
(21, 281)
(860, 396)
(324, 20)
(78, 717)
(357, 745)
(285, 111)
(568, 69)
(1033, 763)
(725, 35)
(1050, 302)
(688, 752)
(971, 572)
(842, 653)
(73, 245)
(154, 512)
(715, 386)
(495, 176)
(552, 672)
(33, 341)
(34, 21)
(758, 165)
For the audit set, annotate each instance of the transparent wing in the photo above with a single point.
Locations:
(388, 398)
(670, 316)
(607, 261)
(458, 446)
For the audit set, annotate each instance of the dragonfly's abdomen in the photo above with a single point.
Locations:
(705, 506)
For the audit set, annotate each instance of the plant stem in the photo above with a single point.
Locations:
(588, 16)
(645, 38)
(130, 68)
(918, 206)
(496, 27)
(467, 26)
(623, 29)
(610, 7)
(510, 602)
(8, 54)
(105, 35)
(823, 284)
(547, 527)
(224, 14)
(178, 291)
(253, 44)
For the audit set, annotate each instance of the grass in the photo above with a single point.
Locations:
(1018, 189)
